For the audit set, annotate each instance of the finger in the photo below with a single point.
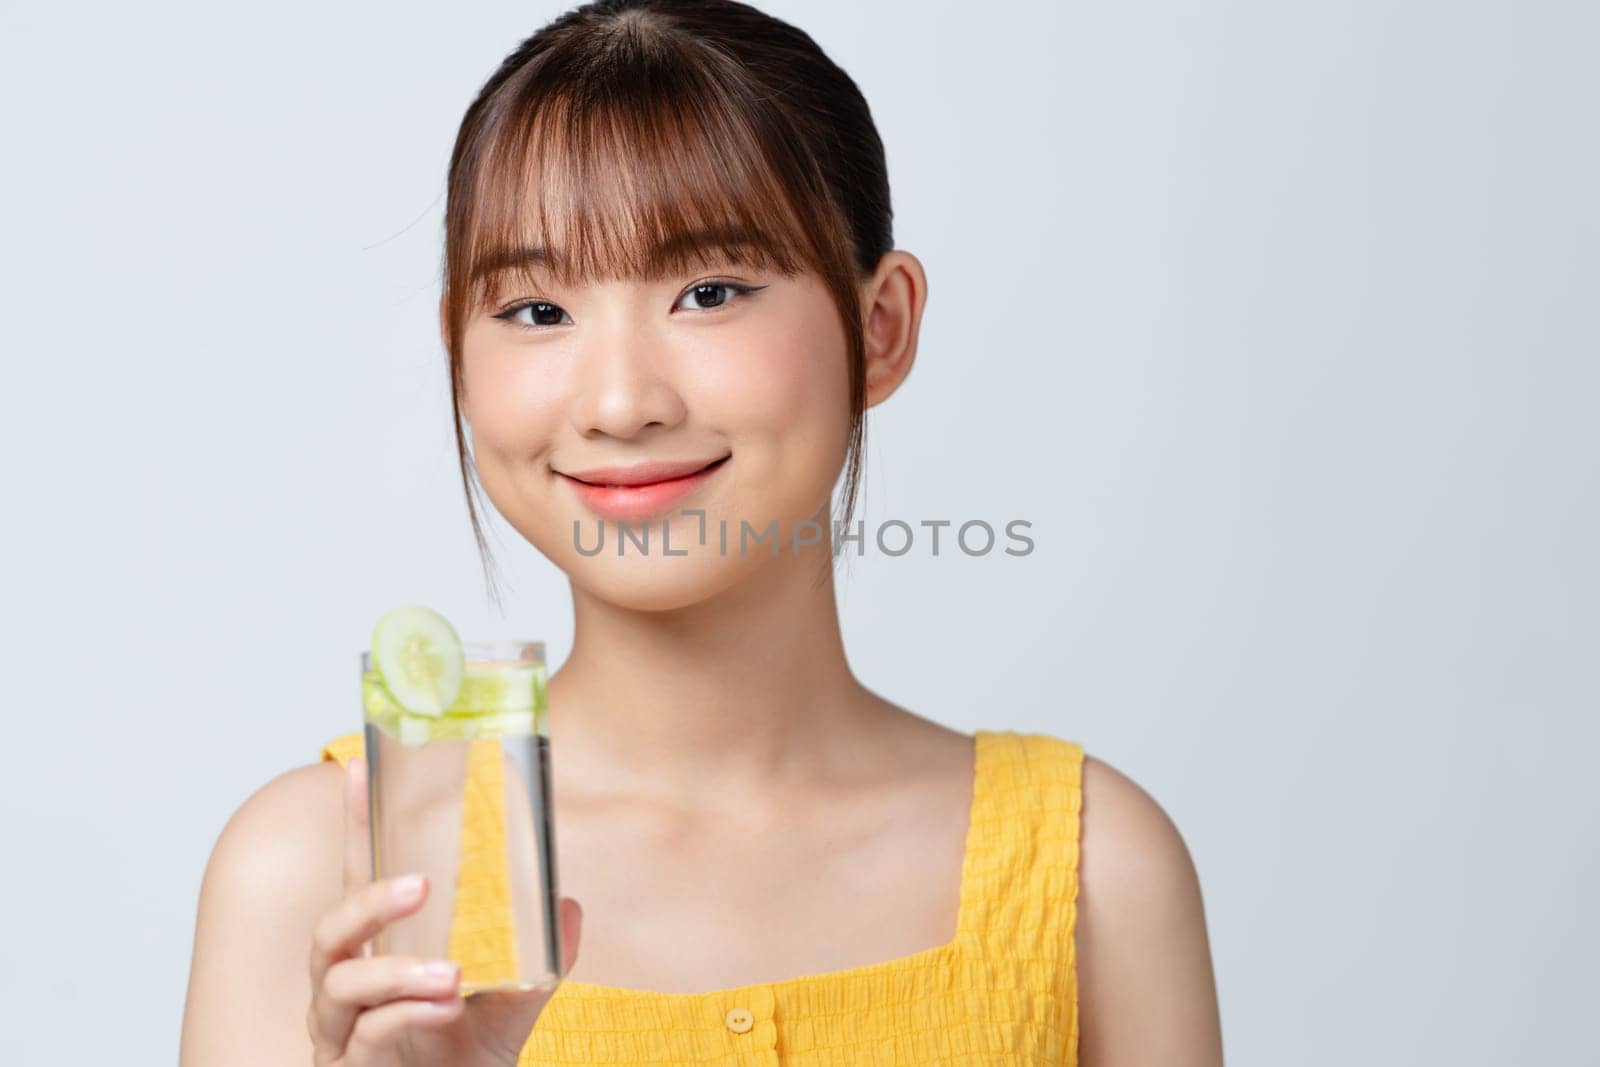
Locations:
(356, 919)
(378, 1029)
(355, 984)
(571, 932)
(357, 823)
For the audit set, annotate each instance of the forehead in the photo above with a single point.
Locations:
(657, 258)
(584, 194)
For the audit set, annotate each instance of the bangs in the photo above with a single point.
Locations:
(639, 167)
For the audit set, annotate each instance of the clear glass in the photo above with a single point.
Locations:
(465, 799)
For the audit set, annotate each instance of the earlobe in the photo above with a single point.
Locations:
(897, 297)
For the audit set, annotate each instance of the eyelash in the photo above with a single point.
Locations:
(508, 314)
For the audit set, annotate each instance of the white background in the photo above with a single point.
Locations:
(1278, 322)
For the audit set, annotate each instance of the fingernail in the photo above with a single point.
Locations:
(408, 888)
(437, 971)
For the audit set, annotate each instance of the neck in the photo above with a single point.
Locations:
(740, 689)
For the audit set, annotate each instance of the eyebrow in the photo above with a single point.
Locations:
(663, 252)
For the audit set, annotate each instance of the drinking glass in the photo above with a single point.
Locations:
(464, 797)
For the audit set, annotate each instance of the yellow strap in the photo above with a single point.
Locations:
(483, 930)
(483, 934)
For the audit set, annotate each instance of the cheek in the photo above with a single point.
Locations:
(784, 389)
(514, 418)
(513, 407)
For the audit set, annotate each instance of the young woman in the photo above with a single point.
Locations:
(668, 256)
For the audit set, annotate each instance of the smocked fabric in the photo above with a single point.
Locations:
(1002, 991)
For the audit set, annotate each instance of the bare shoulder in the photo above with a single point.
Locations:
(1130, 844)
(285, 835)
(276, 867)
(1147, 992)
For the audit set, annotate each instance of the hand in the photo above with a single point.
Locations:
(401, 1011)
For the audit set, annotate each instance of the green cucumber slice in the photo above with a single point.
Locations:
(424, 729)
(418, 657)
(491, 687)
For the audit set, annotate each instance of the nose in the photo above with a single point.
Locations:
(624, 385)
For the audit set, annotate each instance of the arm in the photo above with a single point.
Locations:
(1147, 995)
(274, 871)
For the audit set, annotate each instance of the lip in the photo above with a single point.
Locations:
(641, 473)
(641, 491)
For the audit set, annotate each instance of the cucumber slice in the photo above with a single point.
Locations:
(489, 688)
(418, 657)
(423, 729)
(504, 724)
(376, 699)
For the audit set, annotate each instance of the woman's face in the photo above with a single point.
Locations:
(563, 381)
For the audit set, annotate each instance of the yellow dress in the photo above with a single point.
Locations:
(1003, 991)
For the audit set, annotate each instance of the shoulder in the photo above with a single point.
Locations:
(1142, 946)
(284, 833)
(1130, 844)
(1127, 843)
(275, 868)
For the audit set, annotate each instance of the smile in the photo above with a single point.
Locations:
(645, 500)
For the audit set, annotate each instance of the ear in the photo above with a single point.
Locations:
(893, 301)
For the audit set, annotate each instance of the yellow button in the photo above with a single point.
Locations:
(740, 1020)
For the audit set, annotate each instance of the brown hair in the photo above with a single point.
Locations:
(637, 138)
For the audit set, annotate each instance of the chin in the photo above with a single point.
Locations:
(639, 579)
(649, 579)
(657, 583)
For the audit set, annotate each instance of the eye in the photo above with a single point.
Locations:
(543, 313)
(706, 296)
(702, 296)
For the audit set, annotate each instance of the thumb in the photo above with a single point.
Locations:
(571, 932)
